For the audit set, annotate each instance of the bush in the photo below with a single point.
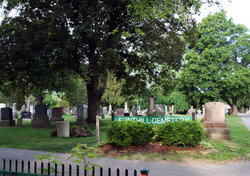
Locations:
(181, 133)
(127, 133)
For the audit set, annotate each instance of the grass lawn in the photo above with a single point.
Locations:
(26, 137)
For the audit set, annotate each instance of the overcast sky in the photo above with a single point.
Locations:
(239, 10)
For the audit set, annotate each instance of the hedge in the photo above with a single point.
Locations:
(127, 133)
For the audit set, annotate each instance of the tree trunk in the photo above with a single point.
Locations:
(95, 92)
(235, 110)
(243, 109)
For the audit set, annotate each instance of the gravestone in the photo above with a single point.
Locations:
(150, 106)
(203, 111)
(40, 119)
(160, 110)
(126, 107)
(32, 110)
(50, 112)
(14, 110)
(7, 117)
(120, 112)
(23, 108)
(57, 114)
(63, 129)
(166, 110)
(85, 111)
(135, 111)
(214, 124)
(173, 109)
(199, 114)
(105, 110)
(80, 115)
(25, 115)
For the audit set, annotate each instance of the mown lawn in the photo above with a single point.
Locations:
(26, 137)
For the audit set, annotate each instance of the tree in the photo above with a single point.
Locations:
(112, 94)
(92, 37)
(218, 65)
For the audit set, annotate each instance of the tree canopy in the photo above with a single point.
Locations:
(217, 67)
(49, 39)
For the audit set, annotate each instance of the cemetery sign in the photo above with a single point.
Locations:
(154, 120)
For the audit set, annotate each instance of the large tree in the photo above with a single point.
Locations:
(90, 37)
(217, 67)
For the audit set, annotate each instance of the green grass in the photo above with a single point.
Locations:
(26, 137)
(236, 148)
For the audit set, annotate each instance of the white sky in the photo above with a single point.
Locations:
(239, 10)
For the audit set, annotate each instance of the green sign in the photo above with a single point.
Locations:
(154, 120)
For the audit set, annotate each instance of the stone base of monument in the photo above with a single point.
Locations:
(81, 122)
(55, 119)
(19, 122)
(214, 125)
(40, 121)
(62, 129)
(7, 123)
(217, 133)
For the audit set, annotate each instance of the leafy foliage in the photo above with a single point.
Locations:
(127, 133)
(50, 39)
(181, 133)
(218, 65)
(112, 92)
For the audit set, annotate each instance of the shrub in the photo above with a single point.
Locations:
(127, 133)
(181, 133)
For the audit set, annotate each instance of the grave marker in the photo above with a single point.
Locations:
(57, 114)
(7, 117)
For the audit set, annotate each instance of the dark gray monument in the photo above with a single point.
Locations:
(57, 114)
(25, 115)
(80, 115)
(7, 117)
(40, 119)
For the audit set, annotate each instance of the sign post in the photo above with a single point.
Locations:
(97, 130)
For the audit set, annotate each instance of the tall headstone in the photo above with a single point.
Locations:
(214, 124)
(57, 114)
(40, 119)
(14, 110)
(32, 110)
(199, 114)
(166, 110)
(28, 106)
(80, 115)
(136, 109)
(105, 110)
(126, 107)
(7, 117)
(160, 110)
(203, 111)
(150, 106)
(85, 111)
(173, 109)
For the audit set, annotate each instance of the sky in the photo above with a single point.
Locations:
(239, 10)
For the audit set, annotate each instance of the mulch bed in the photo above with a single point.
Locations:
(148, 148)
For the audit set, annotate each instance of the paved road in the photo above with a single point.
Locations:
(156, 169)
(246, 119)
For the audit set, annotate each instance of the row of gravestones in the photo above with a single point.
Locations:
(158, 110)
